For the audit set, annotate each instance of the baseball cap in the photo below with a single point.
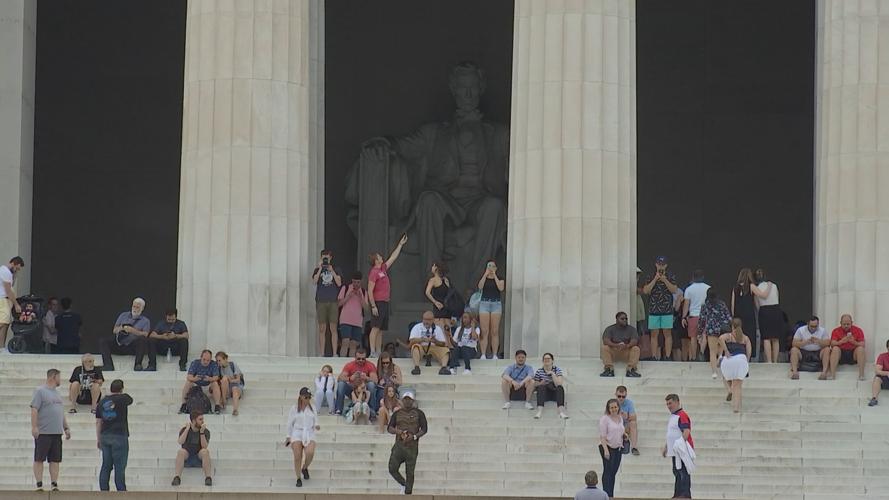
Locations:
(408, 394)
(662, 259)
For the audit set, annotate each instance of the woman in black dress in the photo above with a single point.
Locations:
(744, 306)
(437, 289)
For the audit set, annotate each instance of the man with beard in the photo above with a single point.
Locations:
(409, 425)
(129, 336)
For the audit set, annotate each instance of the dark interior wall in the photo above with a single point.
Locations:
(386, 73)
(107, 150)
(725, 100)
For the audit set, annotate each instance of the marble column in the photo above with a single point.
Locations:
(18, 41)
(252, 172)
(572, 190)
(852, 166)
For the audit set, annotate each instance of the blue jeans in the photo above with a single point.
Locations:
(344, 388)
(115, 450)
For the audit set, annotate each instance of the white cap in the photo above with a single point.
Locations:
(408, 394)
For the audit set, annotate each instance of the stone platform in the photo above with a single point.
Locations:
(803, 439)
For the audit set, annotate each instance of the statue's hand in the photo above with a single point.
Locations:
(376, 149)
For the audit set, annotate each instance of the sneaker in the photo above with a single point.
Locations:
(176, 481)
(713, 375)
(635, 451)
(234, 413)
(183, 409)
(633, 373)
(137, 368)
(39, 486)
(729, 397)
(55, 487)
(182, 368)
(608, 372)
(873, 402)
(299, 483)
(444, 371)
(415, 371)
(337, 413)
(208, 481)
(467, 372)
(305, 473)
(453, 371)
(563, 415)
(402, 490)
(217, 410)
(537, 415)
(528, 405)
(507, 405)
(495, 357)
(151, 368)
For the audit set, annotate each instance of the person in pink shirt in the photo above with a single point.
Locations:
(611, 439)
(378, 290)
(352, 299)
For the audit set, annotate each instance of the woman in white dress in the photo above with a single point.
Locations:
(301, 426)
(735, 365)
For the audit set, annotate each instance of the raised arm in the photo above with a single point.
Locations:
(395, 253)
(761, 293)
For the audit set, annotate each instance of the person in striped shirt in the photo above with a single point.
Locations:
(550, 385)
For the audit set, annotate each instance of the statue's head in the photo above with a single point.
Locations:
(467, 83)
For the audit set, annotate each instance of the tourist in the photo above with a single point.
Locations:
(591, 492)
(772, 326)
(660, 288)
(628, 414)
(352, 299)
(231, 382)
(325, 389)
(678, 428)
(744, 304)
(85, 384)
(680, 332)
(327, 280)
(388, 375)
(550, 384)
(50, 335)
(881, 376)
(67, 325)
(847, 347)
(715, 319)
(204, 374)
(611, 442)
(378, 291)
(620, 340)
(642, 319)
(129, 336)
(171, 335)
(465, 339)
(409, 425)
(517, 382)
(48, 423)
(737, 350)
(355, 371)
(694, 295)
(438, 288)
(112, 436)
(428, 339)
(389, 404)
(359, 411)
(490, 309)
(810, 345)
(9, 304)
(301, 426)
(194, 440)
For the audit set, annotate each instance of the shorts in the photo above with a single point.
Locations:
(327, 312)
(381, 321)
(193, 460)
(660, 322)
(48, 448)
(884, 382)
(519, 394)
(438, 352)
(693, 326)
(5, 311)
(351, 332)
(490, 307)
(847, 357)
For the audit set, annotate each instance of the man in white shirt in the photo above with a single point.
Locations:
(694, 297)
(427, 338)
(811, 343)
(8, 300)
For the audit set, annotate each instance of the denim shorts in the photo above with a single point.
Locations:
(351, 332)
(490, 306)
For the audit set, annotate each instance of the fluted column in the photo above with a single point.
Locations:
(572, 191)
(852, 173)
(252, 146)
(18, 40)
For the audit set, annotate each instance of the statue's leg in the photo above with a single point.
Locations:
(431, 213)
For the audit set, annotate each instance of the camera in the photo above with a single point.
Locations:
(325, 261)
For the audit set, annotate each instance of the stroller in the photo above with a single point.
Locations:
(27, 337)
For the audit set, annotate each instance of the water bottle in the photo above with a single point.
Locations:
(169, 355)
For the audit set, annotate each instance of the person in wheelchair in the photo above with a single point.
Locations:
(86, 384)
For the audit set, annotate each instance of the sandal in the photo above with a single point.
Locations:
(234, 413)
(72, 410)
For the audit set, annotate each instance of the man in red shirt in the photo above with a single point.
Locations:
(358, 370)
(881, 375)
(846, 347)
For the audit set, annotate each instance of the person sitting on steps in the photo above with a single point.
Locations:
(427, 338)
(620, 340)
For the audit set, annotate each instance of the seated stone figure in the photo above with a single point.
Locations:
(445, 185)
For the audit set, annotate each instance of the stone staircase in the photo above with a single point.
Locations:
(804, 439)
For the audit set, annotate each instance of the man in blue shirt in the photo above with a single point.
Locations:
(517, 382)
(203, 373)
(172, 334)
(628, 412)
(129, 336)
(67, 325)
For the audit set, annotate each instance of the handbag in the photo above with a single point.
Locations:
(625, 449)
(475, 300)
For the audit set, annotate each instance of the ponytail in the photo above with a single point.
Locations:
(737, 331)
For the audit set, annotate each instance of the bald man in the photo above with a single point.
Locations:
(846, 347)
(427, 338)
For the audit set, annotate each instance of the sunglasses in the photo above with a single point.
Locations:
(621, 397)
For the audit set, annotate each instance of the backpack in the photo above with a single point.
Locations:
(454, 303)
(197, 401)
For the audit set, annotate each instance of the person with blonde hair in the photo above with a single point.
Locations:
(231, 382)
(736, 349)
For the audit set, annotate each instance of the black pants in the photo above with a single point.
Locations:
(682, 487)
(550, 392)
(467, 354)
(610, 466)
(109, 346)
(407, 455)
(178, 346)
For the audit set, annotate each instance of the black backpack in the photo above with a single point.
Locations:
(197, 401)
(454, 302)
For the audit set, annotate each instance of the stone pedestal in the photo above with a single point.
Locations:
(18, 39)
(252, 174)
(572, 211)
(852, 166)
